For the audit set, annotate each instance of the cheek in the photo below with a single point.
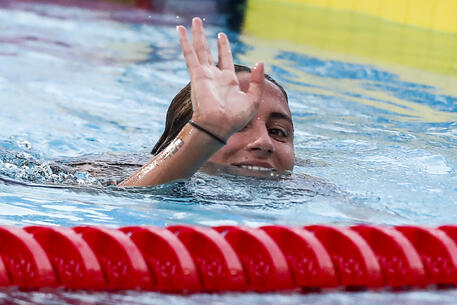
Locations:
(226, 153)
(286, 156)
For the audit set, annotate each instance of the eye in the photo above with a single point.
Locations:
(278, 132)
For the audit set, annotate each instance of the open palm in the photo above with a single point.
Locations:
(218, 102)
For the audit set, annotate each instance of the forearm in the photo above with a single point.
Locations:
(181, 159)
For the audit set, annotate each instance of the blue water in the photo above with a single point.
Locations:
(379, 142)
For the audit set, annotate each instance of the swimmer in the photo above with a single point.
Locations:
(229, 115)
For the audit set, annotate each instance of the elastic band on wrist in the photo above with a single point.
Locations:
(212, 135)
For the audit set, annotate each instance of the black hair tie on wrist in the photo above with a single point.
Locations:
(212, 135)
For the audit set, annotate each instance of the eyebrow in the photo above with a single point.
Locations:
(282, 116)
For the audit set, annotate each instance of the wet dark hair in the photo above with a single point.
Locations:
(180, 112)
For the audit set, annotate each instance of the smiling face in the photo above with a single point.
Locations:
(266, 143)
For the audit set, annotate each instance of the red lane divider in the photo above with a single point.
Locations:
(400, 263)
(74, 262)
(354, 261)
(27, 264)
(122, 263)
(308, 260)
(264, 264)
(190, 259)
(437, 251)
(172, 265)
(219, 267)
(4, 278)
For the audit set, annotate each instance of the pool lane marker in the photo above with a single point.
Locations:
(354, 261)
(218, 265)
(191, 259)
(264, 264)
(75, 264)
(27, 264)
(437, 250)
(396, 256)
(168, 259)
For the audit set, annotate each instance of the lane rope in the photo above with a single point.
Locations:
(190, 259)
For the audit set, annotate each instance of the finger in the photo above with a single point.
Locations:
(189, 53)
(225, 53)
(201, 43)
(257, 83)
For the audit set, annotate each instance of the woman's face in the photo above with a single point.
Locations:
(266, 143)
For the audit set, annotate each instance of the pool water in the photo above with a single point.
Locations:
(375, 144)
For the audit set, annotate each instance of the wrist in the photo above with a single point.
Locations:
(209, 133)
(214, 130)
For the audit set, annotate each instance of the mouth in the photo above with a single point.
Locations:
(261, 170)
(257, 167)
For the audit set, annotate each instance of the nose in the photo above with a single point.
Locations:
(261, 141)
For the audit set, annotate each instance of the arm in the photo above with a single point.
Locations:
(219, 106)
(181, 159)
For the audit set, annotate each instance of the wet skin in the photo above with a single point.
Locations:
(251, 113)
(266, 143)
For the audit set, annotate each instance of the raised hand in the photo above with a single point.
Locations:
(219, 104)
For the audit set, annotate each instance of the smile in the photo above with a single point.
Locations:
(257, 168)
